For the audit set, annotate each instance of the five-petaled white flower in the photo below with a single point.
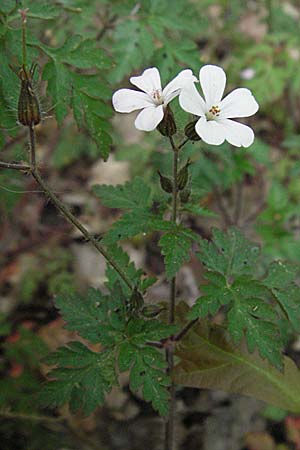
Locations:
(153, 100)
(214, 125)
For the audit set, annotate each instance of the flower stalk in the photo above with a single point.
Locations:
(170, 423)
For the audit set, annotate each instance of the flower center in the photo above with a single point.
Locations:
(157, 97)
(213, 113)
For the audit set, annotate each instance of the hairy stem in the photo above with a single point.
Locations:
(170, 424)
(5, 165)
(64, 210)
(32, 148)
(24, 53)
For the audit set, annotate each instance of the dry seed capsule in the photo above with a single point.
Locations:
(185, 195)
(167, 127)
(166, 183)
(183, 176)
(190, 131)
(29, 112)
(135, 303)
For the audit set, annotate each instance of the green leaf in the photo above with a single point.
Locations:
(7, 6)
(229, 253)
(131, 53)
(146, 364)
(280, 275)
(210, 361)
(59, 88)
(147, 372)
(131, 195)
(96, 317)
(82, 378)
(128, 267)
(214, 295)
(250, 313)
(43, 10)
(280, 280)
(86, 55)
(96, 126)
(250, 300)
(133, 223)
(82, 92)
(175, 246)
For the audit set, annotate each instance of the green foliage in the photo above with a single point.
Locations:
(136, 197)
(229, 254)
(210, 361)
(133, 194)
(84, 93)
(175, 245)
(75, 75)
(255, 304)
(96, 317)
(151, 23)
(146, 363)
(82, 379)
(128, 267)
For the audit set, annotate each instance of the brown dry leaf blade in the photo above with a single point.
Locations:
(209, 360)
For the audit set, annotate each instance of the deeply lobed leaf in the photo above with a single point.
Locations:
(82, 379)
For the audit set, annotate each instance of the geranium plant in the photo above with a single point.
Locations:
(169, 344)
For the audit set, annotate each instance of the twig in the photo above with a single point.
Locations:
(5, 165)
(63, 208)
(72, 219)
(184, 330)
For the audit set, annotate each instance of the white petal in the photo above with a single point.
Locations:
(173, 88)
(191, 101)
(213, 80)
(149, 81)
(237, 133)
(149, 118)
(127, 100)
(210, 131)
(239, 103)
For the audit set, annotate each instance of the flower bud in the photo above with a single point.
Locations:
(183, 176)
(29, 112)
(190, 131)
(166, 183)
(167, 127)
(185, 195)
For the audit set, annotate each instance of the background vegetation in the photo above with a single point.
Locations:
(85, 50)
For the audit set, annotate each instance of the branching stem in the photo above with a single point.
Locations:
(64, 210)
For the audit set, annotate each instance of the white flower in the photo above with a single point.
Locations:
(152, 100)
(214, 125)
